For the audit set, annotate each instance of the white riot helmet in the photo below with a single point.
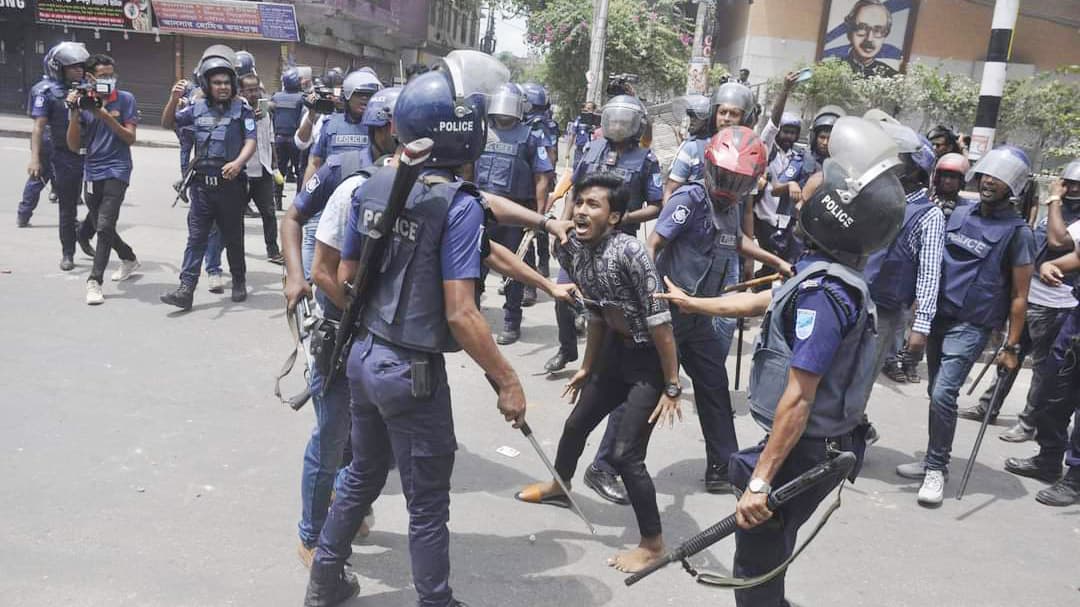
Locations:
(859, 207)
(63, 55)
(363, 80)
(509, 102)
(1007, 163)
(622, 118)
(1072, 171)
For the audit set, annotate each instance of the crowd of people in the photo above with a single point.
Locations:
(888, 246)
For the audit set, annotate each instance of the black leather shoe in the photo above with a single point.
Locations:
(893, 371)
(1065, 492)
(508, 335)
(87, 248)
(975, 412)
(607, 486)
(181, 297)
(239, 290)
(1033, 467)
(67, 264)
(22, 222)
(716, 479)
(329, 586)
(558, 362)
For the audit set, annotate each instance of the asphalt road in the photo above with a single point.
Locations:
(145, 462)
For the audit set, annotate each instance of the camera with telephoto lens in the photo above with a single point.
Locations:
(621, 84)
(324, 100)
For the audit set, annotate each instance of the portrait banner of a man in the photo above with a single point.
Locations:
(872, 36)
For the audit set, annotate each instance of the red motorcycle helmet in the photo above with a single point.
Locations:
(735, 158)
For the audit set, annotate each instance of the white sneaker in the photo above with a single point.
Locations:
(93, 293)
(933, 488)
(126, 269)
(216, 283)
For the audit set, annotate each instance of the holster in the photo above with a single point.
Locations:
(323, 334)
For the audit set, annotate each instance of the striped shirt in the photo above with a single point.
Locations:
(928, 238)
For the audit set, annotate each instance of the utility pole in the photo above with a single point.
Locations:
(993, 79)
(595, 76)
(698, 55)
(487, 43)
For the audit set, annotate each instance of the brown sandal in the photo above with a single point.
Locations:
(531, 495)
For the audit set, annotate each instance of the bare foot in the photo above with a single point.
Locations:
(632, 561)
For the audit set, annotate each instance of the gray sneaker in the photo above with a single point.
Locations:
(216, 283)
(94, 296)
(933, 488)
(1018, 434)
(126, 269)
(914, 470)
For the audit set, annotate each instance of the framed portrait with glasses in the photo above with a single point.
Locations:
(872, 36)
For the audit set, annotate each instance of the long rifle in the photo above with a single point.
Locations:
(375, 243)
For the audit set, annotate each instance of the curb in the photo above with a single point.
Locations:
(21, 134)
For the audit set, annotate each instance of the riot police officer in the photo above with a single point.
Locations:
(580, 130)
(65, 70)
(538, 114)
(224, 142)
(40, 168)
(400, 395)
(622, 121)
(821, 129)
(515, 165)
(1056, 400)
(985, 274)
(344, 131)
(696, 243)
(813, 368)
(286, 106)
(689, 160)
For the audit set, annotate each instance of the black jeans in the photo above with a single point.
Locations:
(1057, 397)
(629, 374)
(103, 202)
(261, 192)
(222, 205)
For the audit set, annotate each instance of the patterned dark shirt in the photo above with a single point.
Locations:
(617, 273)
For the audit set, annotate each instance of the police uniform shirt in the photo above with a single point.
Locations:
(687, 218)
(541, 162)
(461, 238)
(316, 191)
(823, 312)
(689, 161)
(107, 156)
(779, 165)
(186, 117)
(45, 105)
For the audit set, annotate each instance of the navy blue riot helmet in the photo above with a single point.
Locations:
(428, 107)
(245, 64)
(290, 80)
(536, 95)
(380, 108)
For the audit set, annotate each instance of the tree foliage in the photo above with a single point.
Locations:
(650, 39)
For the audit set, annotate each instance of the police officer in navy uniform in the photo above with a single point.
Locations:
(1057, 398)
(813, 364)
(224, 142)
(344, 130)
(580, 131)
(538, 114)
(985, 274)
(65, 69)
(186, 134)
(400, 395)
(39, 170)
(619, 152)
(821, 129)
(287, 107)
(515, 165)
(696, 243)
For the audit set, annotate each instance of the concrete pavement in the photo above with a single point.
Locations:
(145, 462)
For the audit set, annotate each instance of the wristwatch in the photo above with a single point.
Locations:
(758, 485)
(1015, 349)
(673, 390)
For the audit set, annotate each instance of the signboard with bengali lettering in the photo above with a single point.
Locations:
(129, 15)
(228, 18)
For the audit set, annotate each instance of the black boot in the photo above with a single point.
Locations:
(509, 334)
(716, 479)
(1065, 492)
(558, 362)
(1034, 467)
(181, 297)
(239, 290)
(329, 586)
(67, 263)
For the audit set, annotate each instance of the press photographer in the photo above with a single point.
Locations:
(108, 117)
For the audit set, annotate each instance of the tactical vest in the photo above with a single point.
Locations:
(55, 97)
(628, 167)
(843, 390)
(582, 134)
(892, 272)
(218, 137)
(342, 135)
(288, 109)
(406, 306)
(794, 170)
(698, 271)
(975, 278)
(505, 167)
